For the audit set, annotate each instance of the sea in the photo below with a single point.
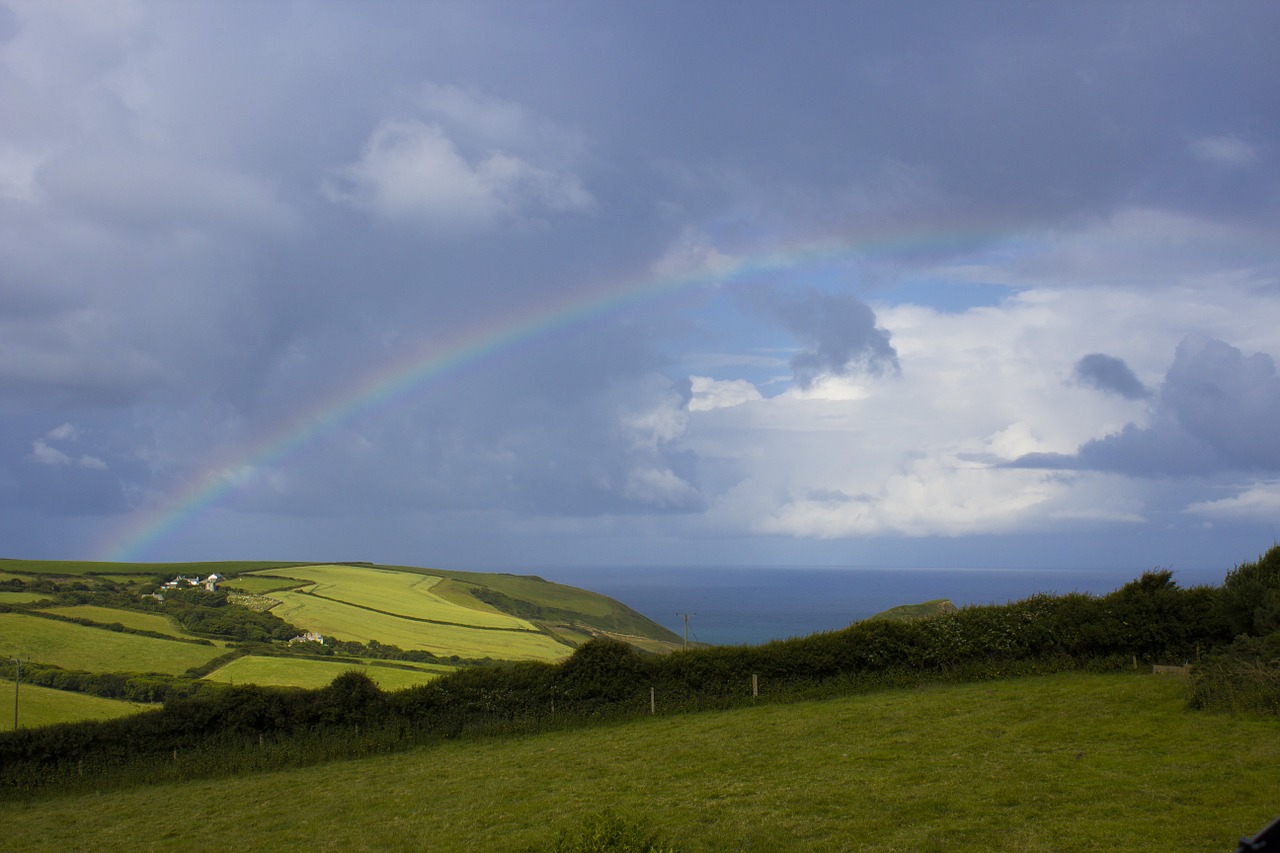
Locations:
(730, 605)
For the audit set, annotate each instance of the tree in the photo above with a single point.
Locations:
(1250, 597)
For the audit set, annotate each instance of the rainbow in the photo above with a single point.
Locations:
(430, 361)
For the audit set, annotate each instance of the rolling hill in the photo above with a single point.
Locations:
(117, 626)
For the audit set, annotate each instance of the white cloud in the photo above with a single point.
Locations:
(659, 487)
(1259, 502)
(710, 394)
(47, 455)
(18, 168)
(412, 171)
(919, 453)
(1227, 151)
(65, 432)
(693, 254)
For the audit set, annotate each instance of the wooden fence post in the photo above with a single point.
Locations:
(755, 686)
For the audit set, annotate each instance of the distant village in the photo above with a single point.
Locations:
(210, 583)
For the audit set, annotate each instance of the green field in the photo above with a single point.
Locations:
(22, 597)
(1063, 763)
(311, 674)
(153, 622)
(73, 646)
(257, 585)
(40, 706)
(399, 593)
(344, 622)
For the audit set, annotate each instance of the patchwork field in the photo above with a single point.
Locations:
(40, 706)
(80, 647)
(345, 622)
(458, 615)
(308, 673)
(399, 593)
(1059, 763)
(129, 618)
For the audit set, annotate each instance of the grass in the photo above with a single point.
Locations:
(1066, 763)
(80, 647)
(259, 584)
(399, 593)
(41, 706)
(311, 674)
(128, 618)
(344, 622)
(23, 597)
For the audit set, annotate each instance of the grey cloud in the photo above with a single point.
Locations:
(151, 189)
(1217, 410)
(1110, 374)
(1227, 400)
(837, 331)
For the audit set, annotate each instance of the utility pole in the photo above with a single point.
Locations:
(686, 627)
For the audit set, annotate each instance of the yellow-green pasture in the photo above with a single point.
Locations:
(457, 585)
(344, 622)
(257, 585)
(129, 618)
(401, 593)
(42, 706)
(310, 673)
(72, 646)
(22, 597)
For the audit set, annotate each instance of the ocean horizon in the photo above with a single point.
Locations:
(738, 605)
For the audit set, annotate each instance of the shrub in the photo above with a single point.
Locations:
(608, 832)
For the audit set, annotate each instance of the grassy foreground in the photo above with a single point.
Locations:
(1065, 762)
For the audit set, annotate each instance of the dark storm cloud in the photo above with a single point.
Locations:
(1217, 410)
(837, 332)
(1110, 374)
(215, 216)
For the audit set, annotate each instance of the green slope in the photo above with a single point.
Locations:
(41, 706)
(923, 610)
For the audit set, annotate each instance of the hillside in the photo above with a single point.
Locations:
(1065, 762)
(923, 610)
(115, 630)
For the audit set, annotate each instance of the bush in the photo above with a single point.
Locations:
(1236, 687)
(608, 832)
(1243, 678)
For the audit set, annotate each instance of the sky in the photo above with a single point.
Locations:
(517, 285)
